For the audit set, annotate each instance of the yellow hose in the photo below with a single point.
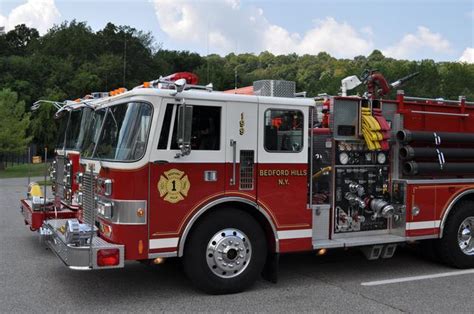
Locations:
(320, 172)
(371, 130)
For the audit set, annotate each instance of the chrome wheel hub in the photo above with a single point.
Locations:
(228, 253)
(465, 240)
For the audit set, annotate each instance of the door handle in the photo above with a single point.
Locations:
(233, 144)
(160, 162)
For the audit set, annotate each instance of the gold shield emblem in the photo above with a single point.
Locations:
(174, 186)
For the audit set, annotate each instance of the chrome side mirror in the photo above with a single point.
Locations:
(185, 121)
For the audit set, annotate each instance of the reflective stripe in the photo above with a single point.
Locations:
(423, 225)
(163, 243)
(295, 234)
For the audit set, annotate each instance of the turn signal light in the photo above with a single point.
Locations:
(321, 252)
(108, 257)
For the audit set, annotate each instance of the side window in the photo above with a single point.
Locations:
(206, 129)
(165, 128)
(283, 130)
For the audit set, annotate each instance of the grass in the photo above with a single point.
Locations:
(22, 171)
(47, 182)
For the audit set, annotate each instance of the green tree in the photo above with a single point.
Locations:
(43, 126)
(14, 123)
(20, 38)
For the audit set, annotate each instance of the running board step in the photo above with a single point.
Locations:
(358, 241)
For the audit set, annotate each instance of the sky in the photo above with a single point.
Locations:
(442, 30)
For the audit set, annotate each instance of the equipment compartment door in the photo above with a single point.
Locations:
(179, 186)
(241, 150)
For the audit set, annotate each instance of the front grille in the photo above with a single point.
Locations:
(246, 169)
(88, 198)
(60, 160)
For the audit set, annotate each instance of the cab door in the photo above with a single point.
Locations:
(241, 149)
(178, 184)
(283, 170)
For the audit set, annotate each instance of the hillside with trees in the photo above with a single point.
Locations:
(72, 60)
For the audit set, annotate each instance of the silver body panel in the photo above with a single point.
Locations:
(125, 211)
(321, 222)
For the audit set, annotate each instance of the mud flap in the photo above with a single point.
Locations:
(270, 270)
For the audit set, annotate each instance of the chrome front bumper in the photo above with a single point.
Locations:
(77, 257)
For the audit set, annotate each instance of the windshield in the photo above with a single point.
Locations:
(92, 132)
(124, 132)
(62, 126)
(78, 124)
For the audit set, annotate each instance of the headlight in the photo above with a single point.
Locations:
(67, 179)
(78, 198)
(67, 173)
(108, 187)
(104, 186)
(104, 209)
(68, 194)
(79, 176)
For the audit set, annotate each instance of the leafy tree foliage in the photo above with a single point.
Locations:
(72, 60)
(13, 124)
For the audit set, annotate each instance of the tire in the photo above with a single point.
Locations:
(234, 237)
(430, 250)
(457, 230)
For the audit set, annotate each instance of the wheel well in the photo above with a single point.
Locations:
(262, 220)
(464, 196)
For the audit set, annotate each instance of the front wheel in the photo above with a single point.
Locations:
(457, 245)
(226, 252)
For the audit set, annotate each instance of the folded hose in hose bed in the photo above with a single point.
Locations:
(415, 168)
(437, 138)
(410, 152)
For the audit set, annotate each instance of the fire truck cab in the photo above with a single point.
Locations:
(228, 182)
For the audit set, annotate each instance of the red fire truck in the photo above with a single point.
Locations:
(74, 119)
(227, 182)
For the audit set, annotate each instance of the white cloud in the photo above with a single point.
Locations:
(467, 55)
(40, 14)
(226, 25)
(339, 39)
(3, 21)
(423, 39)
(367, 30)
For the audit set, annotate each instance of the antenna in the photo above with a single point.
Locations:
(235, 78)
(124, 57)
(207, 47)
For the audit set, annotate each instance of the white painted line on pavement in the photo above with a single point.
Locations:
(414, 278)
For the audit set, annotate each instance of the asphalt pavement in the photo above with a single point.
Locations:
(32, 279)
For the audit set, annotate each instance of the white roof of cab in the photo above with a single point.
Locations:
(203, 95)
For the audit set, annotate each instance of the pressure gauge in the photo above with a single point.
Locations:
(341, 147)
(381, 158)
(343, 158)
(368, 157)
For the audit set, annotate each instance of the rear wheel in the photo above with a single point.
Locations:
(226, 252)
(456, 248)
